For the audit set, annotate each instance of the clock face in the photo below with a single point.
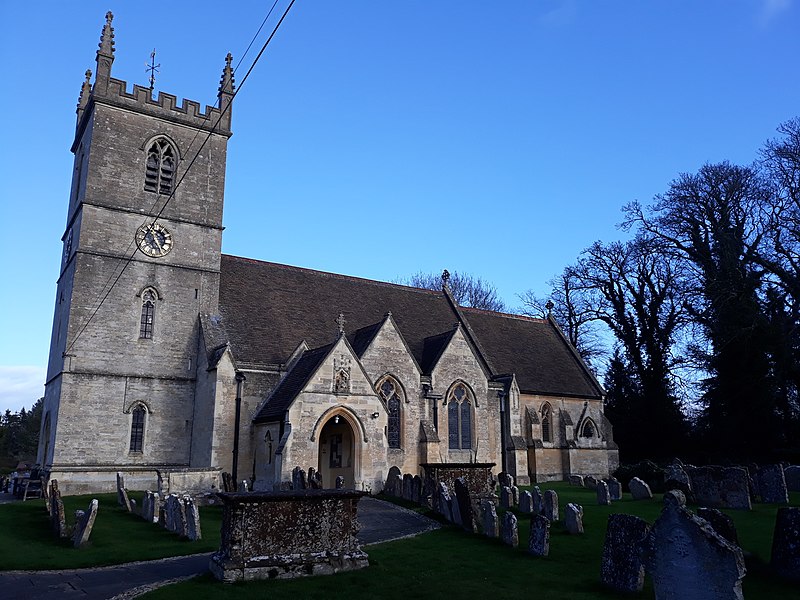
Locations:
(154, 240)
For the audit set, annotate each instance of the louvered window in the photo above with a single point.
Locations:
(160, 172)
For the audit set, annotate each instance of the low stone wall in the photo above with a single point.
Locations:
(288, 534)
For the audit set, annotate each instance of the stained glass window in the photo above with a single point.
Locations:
(459, 419)
(390, 392)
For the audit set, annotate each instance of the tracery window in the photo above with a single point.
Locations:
(137, 428)
(390, 392)
(160, 172)
(547, 423)
(589, 430)
(148, 315)
(459, 418)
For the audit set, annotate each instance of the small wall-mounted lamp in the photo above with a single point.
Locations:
(336, 419)
(375, 415)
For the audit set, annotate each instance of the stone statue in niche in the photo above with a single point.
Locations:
(341, 375)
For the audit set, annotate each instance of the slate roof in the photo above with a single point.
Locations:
(267, 308)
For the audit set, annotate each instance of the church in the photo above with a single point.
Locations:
(168, 356)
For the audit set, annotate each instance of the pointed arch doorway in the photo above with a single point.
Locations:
(338, 452)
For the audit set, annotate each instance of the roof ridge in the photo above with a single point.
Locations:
(503, 314)
(333, 275)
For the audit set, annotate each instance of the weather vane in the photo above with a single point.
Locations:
(152, 68)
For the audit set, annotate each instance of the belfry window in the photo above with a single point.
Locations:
(459, 418)
(390, 392)
(137, 428)
(160, 172)
(148, 315)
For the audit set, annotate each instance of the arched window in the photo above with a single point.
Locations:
(137, 428)
(160, 172)
(391, 394)
(459, 418)
(589, 430)
(547, 422)
(148, 315)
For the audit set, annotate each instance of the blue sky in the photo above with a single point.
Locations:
(379, 139)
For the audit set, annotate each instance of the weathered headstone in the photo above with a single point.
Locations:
(614, 488)
(792, 476)
(772, 485)
(514, 495)
(590, 482)
(576, 480)
(538, 500)
(455, 510)
(490, 528)
(573, 518)
(416, 489)
(721, 523)
(299, 481)
(442, 501)
(639, 489)
(57, 518)
(786, 543)
(603, 495)
(391, 481)
(525, 502)
(622, 568)
(506, 499)
(396, 485)
(340, 482)
(175, 515)
(192, 513)
(676, 478)
(505, 479)
(46, 495)
(408, 483)
(720, 487)
(550, 505)
(539, 540)
(122, 493)
(84, 522)
(509, 532)
(464, 504)
(678, 550)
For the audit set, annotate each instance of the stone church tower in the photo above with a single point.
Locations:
(141, 260)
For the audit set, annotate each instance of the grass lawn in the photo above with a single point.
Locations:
(452, 563)
(27, 543)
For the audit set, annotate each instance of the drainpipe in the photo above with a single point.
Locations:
(501, 395)
(240, 378)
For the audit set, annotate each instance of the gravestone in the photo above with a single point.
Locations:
(339, 482)
(539, 540)
(416, 489)
(550, 505)
(505, 479)
(84, 522)
(772, 485)
(639, 489)
(720, 487)
(679, 550)
(391, 481)
(464, 504)
(538, 500)
(313, 482)
(590, 482)
(455, 510)
(514, 496)
(506, 499)
(526, 502)
(576, 480)
(175, 515)
(192, 513)
(122, 493)
(603, 495)
(792, 476)
(573, 518)
(46, 495)
(676, 478)
(490, 519)
(57, 518)
(614, 488)
(396, 485)
(786, 543)
(508, 531)
(299, 479)
(622, 568)
(408, 482)
(721, 523)
(441, 501)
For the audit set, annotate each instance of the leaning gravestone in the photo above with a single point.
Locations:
(539, 540)
(614, 488)
(721, 523)
(192, 513)
(720, 487)
(505, 479)
(786, 543)
(464, 504)
(679, 550)
(792, 476)
(589, 482)
(772, 485)
(525, 502)
(639, 489)
(441, 501)
(576, 480)
(508, 530)
(622, 568)
(573, 518)
(538, 500)
(455, 511)
(46, 495)
(490, 519)
(550, 505)
(676, 478)
(506, 499)
(299, 481)
(122, 493)
(84, 522)
(603, 495)
(57, 518)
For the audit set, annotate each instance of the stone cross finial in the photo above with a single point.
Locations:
(86, 89)
(340, 322)
(226, 81)
(107, 36)
(446, 278)
(549, 306)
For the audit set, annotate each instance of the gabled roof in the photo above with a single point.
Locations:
(291, 385)
(268, 308)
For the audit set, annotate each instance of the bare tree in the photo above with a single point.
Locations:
(467, 290)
